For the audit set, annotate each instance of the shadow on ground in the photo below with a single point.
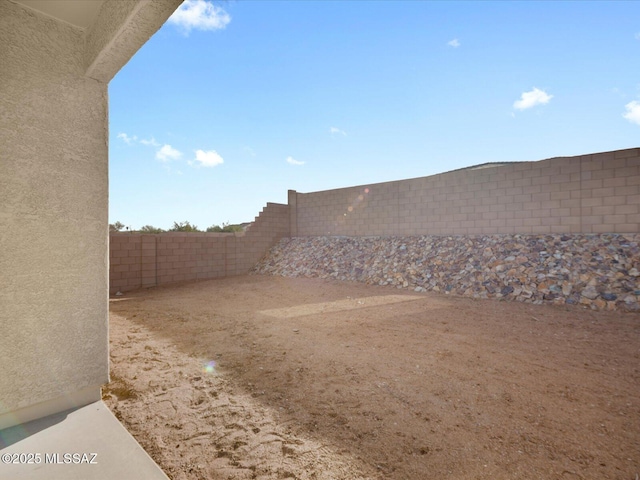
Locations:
(381, 382)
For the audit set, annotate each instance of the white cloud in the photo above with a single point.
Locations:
(150, 143)
(532, 98)
(168, 153)
(134, 138)
(127, 139)
(337, 131)
(455, 43)
(293, 161)
(637, 36)
(210, 158)
(633, 112)
(200, 15)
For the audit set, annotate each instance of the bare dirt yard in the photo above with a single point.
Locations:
(281, 378)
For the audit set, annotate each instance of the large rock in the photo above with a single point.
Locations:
(557, 269)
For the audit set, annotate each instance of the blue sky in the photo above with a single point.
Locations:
(230, 104)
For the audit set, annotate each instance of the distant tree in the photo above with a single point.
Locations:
(233, 228)
(225, 228)
(184, 227)
(116, 227)
(151, 229)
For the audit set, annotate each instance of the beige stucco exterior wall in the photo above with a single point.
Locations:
(53, 207)
(594, 193)
(54, 198)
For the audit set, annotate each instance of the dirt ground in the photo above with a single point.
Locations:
(280, 378)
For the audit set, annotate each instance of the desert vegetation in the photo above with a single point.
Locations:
(185, 226)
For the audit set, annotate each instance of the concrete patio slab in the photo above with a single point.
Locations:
(87, 443)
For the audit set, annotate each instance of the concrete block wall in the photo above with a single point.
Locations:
(185, 256)
(143, 260)
(125, 261)
(267, 229)
(596, 193)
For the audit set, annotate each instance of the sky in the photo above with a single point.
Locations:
(232, 103)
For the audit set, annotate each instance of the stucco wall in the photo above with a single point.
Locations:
(138, 261)
(596, 193)
(53, 206)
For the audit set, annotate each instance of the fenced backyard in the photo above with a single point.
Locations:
(478, 324)
(270, 377)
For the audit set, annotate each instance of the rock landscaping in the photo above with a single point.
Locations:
(601, 272)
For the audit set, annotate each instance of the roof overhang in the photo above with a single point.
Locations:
(114, 29)
(80, 14)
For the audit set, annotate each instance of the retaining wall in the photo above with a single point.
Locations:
(141, 260)
(597, 193)
(596, 271)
